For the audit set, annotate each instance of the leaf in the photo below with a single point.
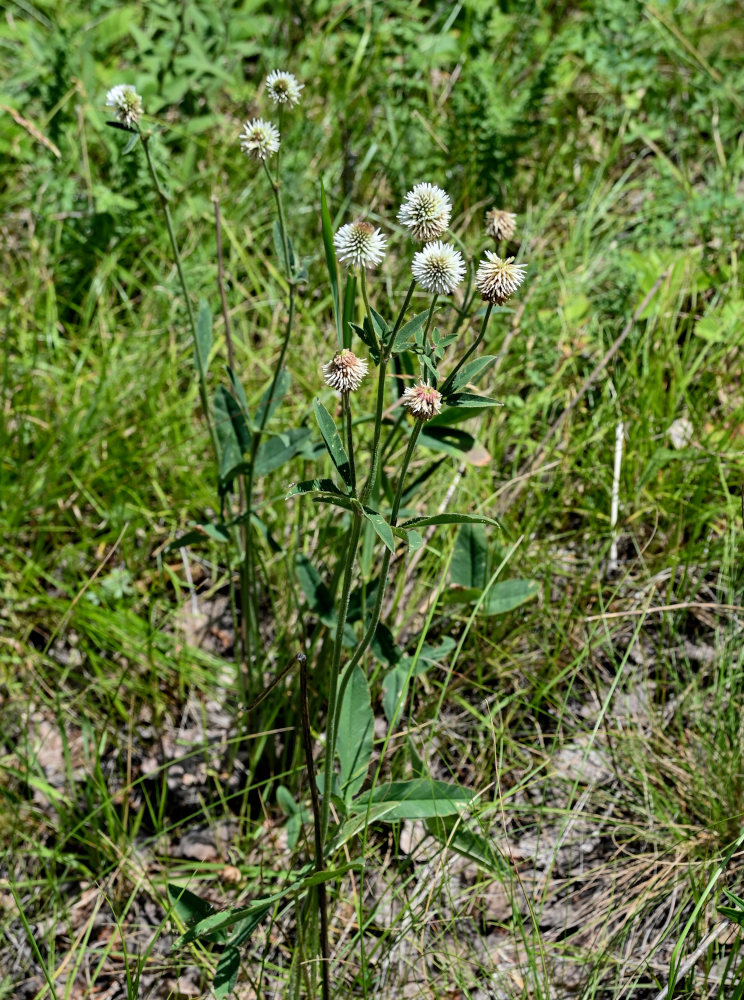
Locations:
(318, 596)
(276, 451)
(381, 327)
(457, 835)
(203, 336)
(355, 735)
(470, 557)
(472, 371)
(217, 532)
(259, 908)
(190, 908)
(227, 439)
(381, 526)
(408, 331)
(314, 486)
(420, 798)
(470, 400)
(332, 441)
(395, 690)
(454, 441)
(269, 405)
(239, 394)
(501, 597)
(330, 256)
(419, 522)
(349, 306)
(226, 973)
(412, 538)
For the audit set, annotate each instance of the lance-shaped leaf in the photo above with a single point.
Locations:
(503, 596)
(239, 394)
(314, 486)
(355, 735)
(272, 399)
(472, 371)
(217, 532)
(228, 918)
(454, 441)
(275, 451)
(230, 444)
(470, 400)
(420, 798)
(381, 526)
(349, 307)
(418, 522)
(333, 442)
(407, 332)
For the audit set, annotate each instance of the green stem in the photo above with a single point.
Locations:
(369, 484)
(425, 373)
(184, 288)
(401, 314)
(307, 743)
(375, 619)
(450, 378)
(372, 327)
(346, 407)
(384, 360)
(343, 610)
(248, 588)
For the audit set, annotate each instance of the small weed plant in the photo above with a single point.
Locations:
(423, 369)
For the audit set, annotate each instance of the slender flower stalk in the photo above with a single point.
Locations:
(201, 372)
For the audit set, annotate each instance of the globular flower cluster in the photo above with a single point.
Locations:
(497, 279)
(359, 244)
(126, 104)
(500, 225)
(425, 212)
(283, 88)
(345, 371)
(423, 401)
(259, 139)
(438, 268)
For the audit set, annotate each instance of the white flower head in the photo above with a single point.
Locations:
(423, 401)
(345, 371)
(500, 225)
(359, 244)
(426, 212)
(283, 88)
(259, 139)
(126, 103)
(438, 268)
(497, 279)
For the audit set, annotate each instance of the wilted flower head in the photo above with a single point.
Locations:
(424, 401)
(438, 268)
(500, 225)
(259, 139)
(127, 104)
(359, 244)
(497, 279)
(283, 88)
(426, 212)
(345, 371)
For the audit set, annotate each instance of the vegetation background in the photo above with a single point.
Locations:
(602, 721)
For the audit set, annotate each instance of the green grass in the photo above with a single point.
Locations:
(601, 723)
